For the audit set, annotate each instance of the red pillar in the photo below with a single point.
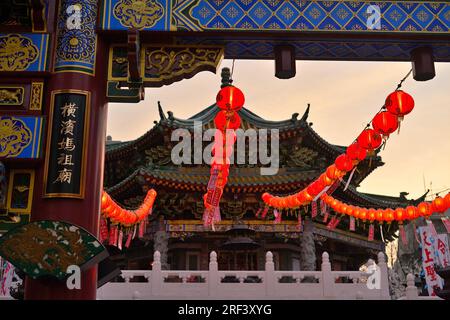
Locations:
(83, 212)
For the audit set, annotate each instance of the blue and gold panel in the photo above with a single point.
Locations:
(344, 50)
(20, 137)
(23, 52)
(315, 15)
(138, 14)
(76, 46)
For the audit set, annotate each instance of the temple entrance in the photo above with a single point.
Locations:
(237, 260)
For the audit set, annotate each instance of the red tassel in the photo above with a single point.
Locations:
(112, 231)
(325, 218)
(264, 213)
(314, 209)
(120, 240)
(371, 232)
(127, 244)
(352, 224)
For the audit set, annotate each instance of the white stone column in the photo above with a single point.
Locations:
(307, 247)
(161, 244)
(213, 275)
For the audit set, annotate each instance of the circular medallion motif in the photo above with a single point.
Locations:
(138, 13)
(15, 136)
(16, 53)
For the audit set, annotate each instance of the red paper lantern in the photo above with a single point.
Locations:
(344, 163)
(369, 139)
(385, 123)
(399, 103)
(356, 153)
(333, 173)
(400, 214)
(350, 210)
(379, 215)
(363, 214)
(438, 205)
(371, 214)
(357, 212)
(325, 180)
(266, 197)
(343, 208)
(388, 215)
(424, 209)
(227, 120)
(447, 200)
(411, 213)
(230, 98)
(315, 188)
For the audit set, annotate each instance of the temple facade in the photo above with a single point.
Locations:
(243, 237)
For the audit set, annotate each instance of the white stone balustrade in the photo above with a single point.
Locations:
(265, 284)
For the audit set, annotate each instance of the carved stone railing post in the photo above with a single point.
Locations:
(327, 276)
(384, 281)
(213, 276)
(156, 276)
(269, 276)
(411, 289)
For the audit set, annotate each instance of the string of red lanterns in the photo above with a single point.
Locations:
(424, 209)
(123, 217)
(386, 121)
(229, 100)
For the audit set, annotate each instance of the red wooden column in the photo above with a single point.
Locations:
(75, 70)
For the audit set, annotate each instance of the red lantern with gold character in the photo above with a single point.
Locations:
(369, 139)
(230, 98)
(399, 103)
(227, 120)
(355, 152)
(325, 180)
(385, 123)
(344, 163)
(333, 173)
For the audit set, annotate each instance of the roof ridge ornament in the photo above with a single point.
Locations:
(306, 114)
(162, 116)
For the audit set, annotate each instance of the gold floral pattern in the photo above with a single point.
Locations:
(138, 13)
(16, 52)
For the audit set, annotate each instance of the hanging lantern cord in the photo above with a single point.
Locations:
(401, 82)
(232, 70)
(384, 106)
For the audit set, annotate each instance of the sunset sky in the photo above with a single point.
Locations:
(344, 96)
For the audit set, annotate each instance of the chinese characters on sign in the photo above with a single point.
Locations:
(66, 144)
(429, 259)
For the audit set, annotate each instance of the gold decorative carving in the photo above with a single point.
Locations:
(37, 90)
(164, 64)
(17, 53)
(11, 96)
(138, 14)
(15, 136)
(167, 64)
